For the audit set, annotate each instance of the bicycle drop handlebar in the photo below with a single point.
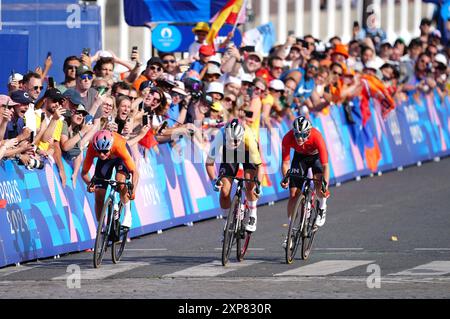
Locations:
(114, 183)
(305, 178)
(241, 180)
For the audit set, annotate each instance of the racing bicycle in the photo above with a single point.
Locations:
(109, 228)
(302, 228)
(237, 218)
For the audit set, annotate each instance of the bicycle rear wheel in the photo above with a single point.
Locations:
(310, 232)
(229, 232)
(294, 233)
(101, 240)
(121, 237)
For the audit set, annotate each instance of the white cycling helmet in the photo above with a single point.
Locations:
(234, 133)
(302, 127)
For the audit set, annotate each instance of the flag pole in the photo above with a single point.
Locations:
(244, 5)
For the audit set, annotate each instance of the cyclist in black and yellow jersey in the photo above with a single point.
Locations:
(236, 145)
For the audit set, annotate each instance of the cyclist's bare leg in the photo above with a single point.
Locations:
(121, 177)
(225, 199)
(99, 201)
(318, 186)
(249, 187)
(294, 193)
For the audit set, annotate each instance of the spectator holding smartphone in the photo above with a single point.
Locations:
(75, 134)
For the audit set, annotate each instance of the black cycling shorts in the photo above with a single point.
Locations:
(300, 165)
(231, 169)
(104, 169)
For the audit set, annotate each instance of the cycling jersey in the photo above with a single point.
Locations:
(246, 153)
(315, 144)
(118, 150)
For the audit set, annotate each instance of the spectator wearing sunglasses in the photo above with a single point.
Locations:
(75, 134)
(153, 71)
(71, 64)
(170, 64)
(32, 84)
(85, 77)
(120, 89)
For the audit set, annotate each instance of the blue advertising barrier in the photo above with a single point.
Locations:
(43, 219)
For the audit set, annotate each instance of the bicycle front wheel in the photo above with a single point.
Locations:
(120, 239)
(242, 241)
(309, 233)
(294, 233)
(101, 240)
(229, 232)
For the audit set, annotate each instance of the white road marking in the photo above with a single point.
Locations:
(432, 249)
(212, 269)
(105, 271)
(326, 267)
(435, 268)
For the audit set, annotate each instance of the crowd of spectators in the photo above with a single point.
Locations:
(193, 97)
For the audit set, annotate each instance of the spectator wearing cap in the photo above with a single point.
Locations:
(15, 82)
(170, 64)
(12, 124)
(440, 66)
(200, 31)
(153, 71)
(199, 67)
(239, 65)
(339, 53)
(232, 85)
(215, 90)
(72, 99)
(85, 76)
(70, 66)
(51, 117)
(74, 135)
(213, 73)
(178, 107)
(17, 106)
(276, 91)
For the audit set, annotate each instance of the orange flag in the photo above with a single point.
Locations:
(228, 14)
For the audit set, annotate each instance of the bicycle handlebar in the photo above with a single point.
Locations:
(305, 178)
(114, 183)
(254, 180)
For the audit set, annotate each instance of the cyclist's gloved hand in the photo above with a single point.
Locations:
(258, 191)
(91, 188)
(216, 184)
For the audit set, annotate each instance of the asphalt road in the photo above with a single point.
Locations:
(354, 255)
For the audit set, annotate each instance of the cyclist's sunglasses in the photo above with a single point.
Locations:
(301, 135)
(104, 152)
